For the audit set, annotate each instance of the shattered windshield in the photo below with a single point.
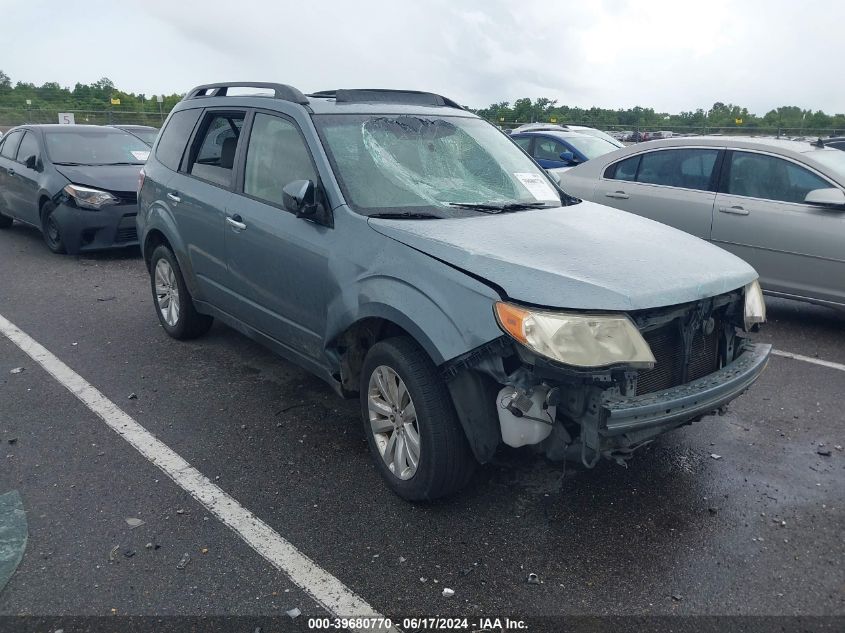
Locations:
(434, 165)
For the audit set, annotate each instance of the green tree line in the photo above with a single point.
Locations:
(720, 115)
(95, 101)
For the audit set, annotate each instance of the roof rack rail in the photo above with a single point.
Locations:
(383, 95)
(280, 91)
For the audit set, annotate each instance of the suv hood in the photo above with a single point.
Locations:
(108, 177)
(585, 256)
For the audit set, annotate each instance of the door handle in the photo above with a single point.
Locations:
(174, 197)
(735, 210)
(619, 195)
(236, 222)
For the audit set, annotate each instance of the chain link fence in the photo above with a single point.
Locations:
(10, 117)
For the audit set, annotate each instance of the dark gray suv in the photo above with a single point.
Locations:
(411, 255)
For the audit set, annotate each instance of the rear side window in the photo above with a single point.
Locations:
(10, 145)
(684, 168)
(29, 147)
(276, 155)
(175, 137)
(770, 178)
(215, 153)
(624, 169)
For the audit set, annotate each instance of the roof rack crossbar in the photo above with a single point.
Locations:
(280, 91)
(384, 95)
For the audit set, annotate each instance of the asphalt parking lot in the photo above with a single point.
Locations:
(757, 531)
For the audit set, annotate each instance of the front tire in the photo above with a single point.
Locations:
(414, 434)
(173, 303)
(50, 229)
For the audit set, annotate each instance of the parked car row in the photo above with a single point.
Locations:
(415, 258)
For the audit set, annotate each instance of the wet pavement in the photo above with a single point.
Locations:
(758, 531)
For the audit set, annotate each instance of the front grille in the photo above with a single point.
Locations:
(126, 197)
(127, 234)
(667, 345)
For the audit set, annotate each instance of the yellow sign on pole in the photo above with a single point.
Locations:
(553, 119)
(502, 119)
(115, 101)
(738, 121)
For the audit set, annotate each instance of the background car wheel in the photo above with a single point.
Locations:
(415, 437)
(5, 221)
(173, 303)
(50, 229)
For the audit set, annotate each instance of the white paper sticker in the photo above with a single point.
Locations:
(537, 186)
(141, 154)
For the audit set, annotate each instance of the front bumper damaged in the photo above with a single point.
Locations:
(670, 407)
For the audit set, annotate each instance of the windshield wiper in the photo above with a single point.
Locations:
(405, 215)
(498, 208)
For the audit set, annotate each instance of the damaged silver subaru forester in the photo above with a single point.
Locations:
(411, 255)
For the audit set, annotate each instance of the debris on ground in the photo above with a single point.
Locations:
(13, 440)
(132, 522)
(293, 613)
(677, 597)
(712, 511)
(113, 553)
(402, 559)
(133, 396)
(448, 593)
(106, 298)
(204, 550)
(423, 579)
(129, 553)
(17, 370)
(838, 447)
(180, 511)
(149, 546)
(183, 562)
(715, 456)
(533, 579)
(824, 452)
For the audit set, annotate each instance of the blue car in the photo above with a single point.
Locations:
(561, 148)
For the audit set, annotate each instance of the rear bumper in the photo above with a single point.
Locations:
(671, 407)
(83, 230)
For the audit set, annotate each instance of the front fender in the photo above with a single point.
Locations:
(447, 312)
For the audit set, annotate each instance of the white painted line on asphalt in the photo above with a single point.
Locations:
(325, 589)
(809, 359)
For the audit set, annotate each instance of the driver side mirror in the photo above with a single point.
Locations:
(300, 198)
(831, 197)
(569, 157)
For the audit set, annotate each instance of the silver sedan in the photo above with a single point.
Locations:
(780, 205)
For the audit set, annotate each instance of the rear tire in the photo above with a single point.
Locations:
(50, 229)
(173, 303)
(407, 411)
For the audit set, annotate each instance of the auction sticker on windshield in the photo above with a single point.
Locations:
(140, 155)
(537, 186)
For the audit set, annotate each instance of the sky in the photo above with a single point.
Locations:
(669, 55)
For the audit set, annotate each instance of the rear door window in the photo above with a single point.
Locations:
(215, 147)
(770, 178)
(276, 156)
(624, 169)
(174, 138)
(524, 142)
(28, 147)
(683, 168)
(10, 145)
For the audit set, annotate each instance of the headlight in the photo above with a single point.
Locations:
(88, 198)
(582, 340)
(755, 305)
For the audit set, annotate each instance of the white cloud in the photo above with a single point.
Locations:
(666, 54)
